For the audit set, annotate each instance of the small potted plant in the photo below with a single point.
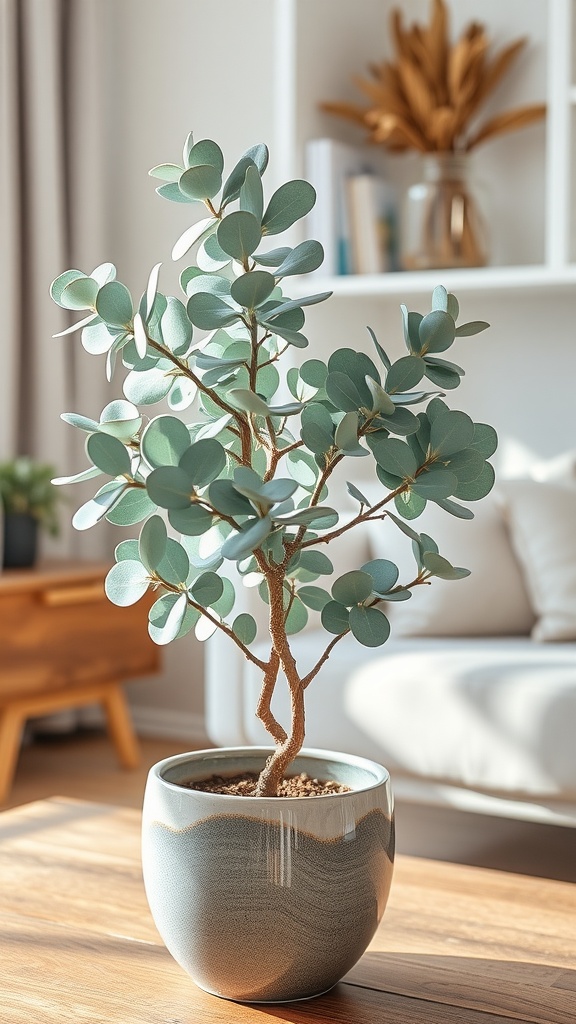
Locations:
(29, 501)
(261, 891)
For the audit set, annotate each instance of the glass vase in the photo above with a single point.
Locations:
(443, 224)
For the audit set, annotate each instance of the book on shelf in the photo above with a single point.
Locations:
(340, 220)
(372, 220)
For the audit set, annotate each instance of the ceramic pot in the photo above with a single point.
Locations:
(20, 540)
(264, 899)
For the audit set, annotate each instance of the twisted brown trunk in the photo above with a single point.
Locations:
(286, 751)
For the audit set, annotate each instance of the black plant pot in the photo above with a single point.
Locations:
(20, 541)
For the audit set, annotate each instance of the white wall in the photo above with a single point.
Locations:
(176, 66)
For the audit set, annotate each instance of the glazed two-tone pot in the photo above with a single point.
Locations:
(264, 899)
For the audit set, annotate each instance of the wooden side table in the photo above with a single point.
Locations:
(62, 645)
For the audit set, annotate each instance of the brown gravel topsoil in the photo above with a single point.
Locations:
(245, 785)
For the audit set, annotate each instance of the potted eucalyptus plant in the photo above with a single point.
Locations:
(258, 893)
(29, 501)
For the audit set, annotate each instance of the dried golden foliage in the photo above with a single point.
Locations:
(427, 98)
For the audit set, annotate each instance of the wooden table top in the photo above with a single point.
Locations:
(457, 945)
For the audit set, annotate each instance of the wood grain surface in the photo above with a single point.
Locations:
(457, 945)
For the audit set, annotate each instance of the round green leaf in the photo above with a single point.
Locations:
(200, 182)
(467, 465)
(133, 507)
(148, 386)
(335, 617)
(314, 597)
(252, 289)
(206, 152)
(226, 499)
(292, 201)
(207, 589)
(225, 603)
(175, 326)
(404, 374)
(166, 172)
(437, 331)
(126, 583)
(114, 304)
(170, 487)
(152, 542)
(316, 428)
(370, 626)
(166, 618)
(304, 259)
(248, 401)
(120, 419)
(443, 376)
(242, 544)
(108, 454)
(435, 482)
(126, 550)
(451, 432)
(352, 587)
(343, 393)
(440, 298)
(192, 521)
(80, 294)
(208, 311)
(485, 440)
(60, 283)
(315, 562)
(239, 235)
(476, 489)
(174, 565)
(396, 457)
(244, 627)
(164, 441)
(409, 504)
(314, 372)
(302, 468)
(384, 574)
(203, 461)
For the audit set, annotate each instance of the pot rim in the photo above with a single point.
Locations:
(380, 774)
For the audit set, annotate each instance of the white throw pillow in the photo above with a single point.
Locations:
(542, 521)
(492, 601)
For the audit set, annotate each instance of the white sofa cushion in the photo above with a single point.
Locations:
(492, 601)
(542, 520)
(498, 715)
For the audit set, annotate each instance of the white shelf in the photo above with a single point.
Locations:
(507, 279)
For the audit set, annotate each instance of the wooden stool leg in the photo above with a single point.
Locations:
(11, 725)
(120, 726)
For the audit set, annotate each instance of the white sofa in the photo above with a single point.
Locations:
(483, 719)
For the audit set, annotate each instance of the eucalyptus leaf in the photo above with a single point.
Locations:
(133, 507)
(441, 567)
(248, 539)
(273, 258)
(404, 374)
(203, 461)
(292, 201)
(126, 583)
(164, 440)
(451, 432)
(244, 627)
(207, 589)
(200, 182)
(208, 311)
(193, 234)
(396, 457)
(384, 574)
(335, 618)
(239, 235)
(474, 327)
(166, 618)
(435, 482)
(437, 331)
(192, 521)
(108, 454)
(317, 428)
(352, 587)
(147, 387)
(356, 493)
(409, 504)
(303, 259)
(152, 542)
(252, 289)
(114, 305)
(314, 597)
(95, 509)
(369, 626)
(297, 617)
(169, 487)
(485, 440)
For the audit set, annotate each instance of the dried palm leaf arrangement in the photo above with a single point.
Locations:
(427, 99)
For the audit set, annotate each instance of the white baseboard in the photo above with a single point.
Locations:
(166, 724)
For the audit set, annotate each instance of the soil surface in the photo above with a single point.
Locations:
(245, 785)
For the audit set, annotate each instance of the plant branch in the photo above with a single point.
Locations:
(263, 710)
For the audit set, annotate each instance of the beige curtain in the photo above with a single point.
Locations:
(52, 217)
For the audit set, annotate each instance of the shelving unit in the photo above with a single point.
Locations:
(320, 46)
